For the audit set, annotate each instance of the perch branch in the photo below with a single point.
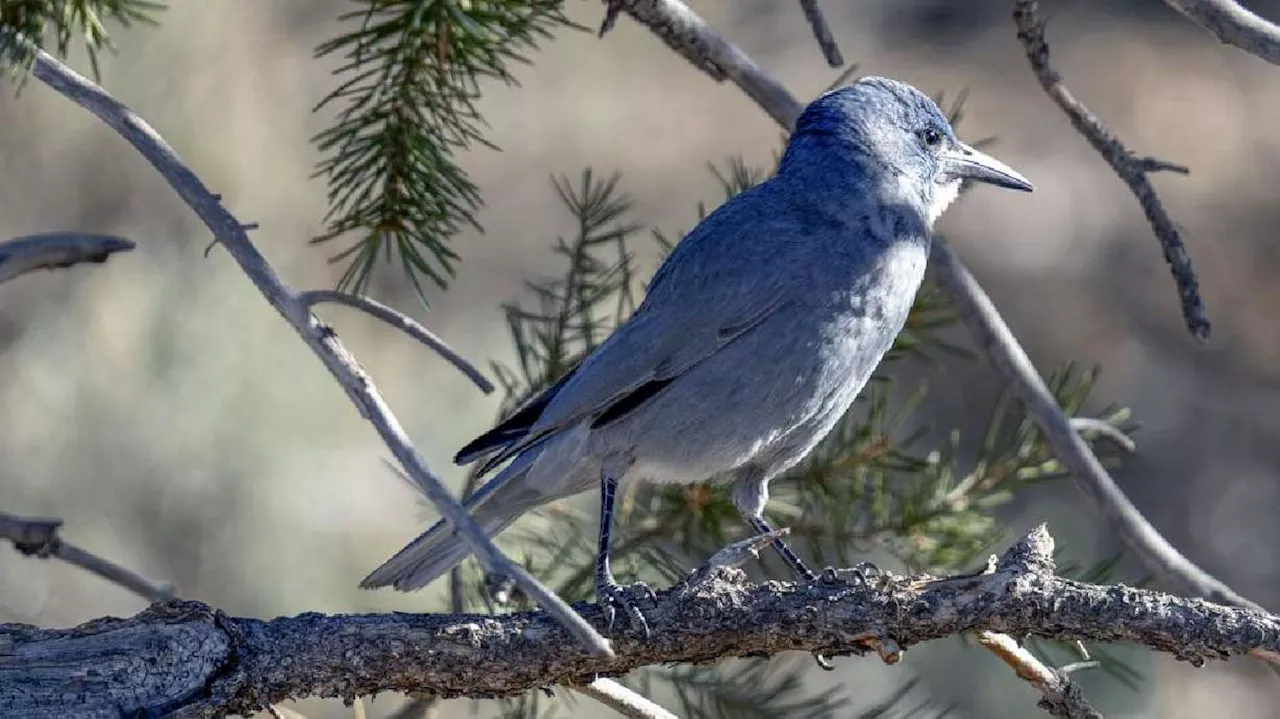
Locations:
(404, 323)
(322, 340)
(189, 660)
(1234, 25)
(977, 311)
(38, 537)
(54, 250)
(1131, 168)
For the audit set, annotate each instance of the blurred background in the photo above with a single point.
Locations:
(160, 406)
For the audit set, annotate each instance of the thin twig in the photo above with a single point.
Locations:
(38, 537)
(1235, 25)
(56, 249)
(980, 317)
(359, 387)
(1062, 697)
(822, 32)
(624, 701)
(1103, 428)
(405, 324)
(1131, 168)
(995, 337)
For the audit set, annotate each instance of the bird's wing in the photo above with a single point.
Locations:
(718, 285)
(515, 426)
(606, 400)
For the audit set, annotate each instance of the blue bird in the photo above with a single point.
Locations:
(754, 338)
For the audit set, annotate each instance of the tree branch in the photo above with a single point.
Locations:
(703, 46)
(1131, 168)
(822, 32)
(405, 324)
(1062, 697)
(978, 314)
(1234, 25)
(321, 338)
(624, 701)
(997, 340)
(186, 658)
(38, 537)
(55, 250)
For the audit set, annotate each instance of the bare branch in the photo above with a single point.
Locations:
(38, 537)
(1131, 168)
(997, 340)
(822, 32)
(1233, 24)
(359, 387)
(624, 701)
(405, 324)
(185, 658)
(1062, 697)
(703, 46)
(56, 249)
(980, 316)
(1091, 425)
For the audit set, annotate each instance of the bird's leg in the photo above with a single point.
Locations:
(611, 594)
(750, 494)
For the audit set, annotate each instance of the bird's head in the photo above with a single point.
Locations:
(895, 134)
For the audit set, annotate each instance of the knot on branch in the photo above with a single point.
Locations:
(1033, 554)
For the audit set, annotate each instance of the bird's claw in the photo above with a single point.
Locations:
(614, 596)
(860, 573)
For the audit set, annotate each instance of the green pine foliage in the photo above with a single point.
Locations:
(57, 23)
(406, 103)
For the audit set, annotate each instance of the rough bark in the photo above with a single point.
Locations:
(186, 658)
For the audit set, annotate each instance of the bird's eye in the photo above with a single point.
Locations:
(931, 137)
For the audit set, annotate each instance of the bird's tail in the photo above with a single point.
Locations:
(494, 507)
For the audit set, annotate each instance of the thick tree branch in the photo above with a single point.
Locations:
(405, 324)
(186, 658)
(1235, 25)
(38, 537)
(1131, 168)
(55, 250)
(322, 340)
(976, 309)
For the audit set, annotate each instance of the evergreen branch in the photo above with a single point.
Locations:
(201, 663)
(64, 20)
(406, 104)
(322, 340)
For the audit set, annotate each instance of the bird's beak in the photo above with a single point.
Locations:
(966, 163)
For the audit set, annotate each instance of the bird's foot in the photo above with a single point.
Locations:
(862, 573)
(614, 596)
